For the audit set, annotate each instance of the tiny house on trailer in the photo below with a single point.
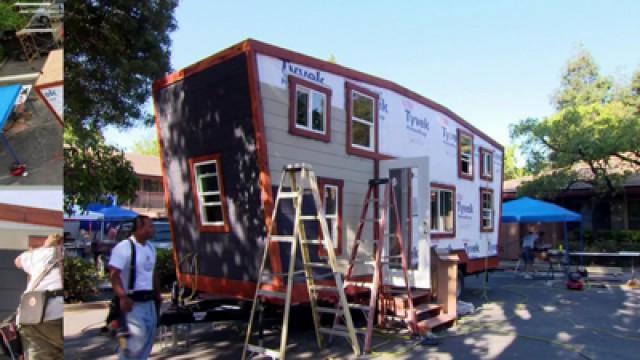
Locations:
(228, 125)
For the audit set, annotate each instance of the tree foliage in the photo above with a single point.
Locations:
(117, 49)
(10, 19)
(93, 169)
(592, 137)
(511, 168)
(147, 146)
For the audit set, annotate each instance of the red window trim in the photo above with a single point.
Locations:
(322, 181)
(294, 81)
(225, 214)
(482, 175)
(484, 190)
(462, 175)
(349, 87)
(439, 186)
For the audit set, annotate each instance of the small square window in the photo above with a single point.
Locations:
(331, 191)
(486, 164)
(310, 112)
(465, 155)
(362, 121)
(206, 175)
(442, 211)
(487, 210)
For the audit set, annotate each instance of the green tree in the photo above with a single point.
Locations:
(592, 137)
(511, 168)
(147, 146)
(10, 20)
(93, 168)
(117, 49)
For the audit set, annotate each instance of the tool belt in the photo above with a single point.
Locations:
(142, 295)
(55, 293)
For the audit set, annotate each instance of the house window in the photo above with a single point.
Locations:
(310, 109)
(208, 192)
(150, 185)
(443, 223)
(486, 164)
(486, 215)
(331, 193)
(362, 124)
(465, 155)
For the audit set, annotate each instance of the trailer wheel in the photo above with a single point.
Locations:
(460, 285)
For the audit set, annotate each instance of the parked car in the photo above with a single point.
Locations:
(162, 240)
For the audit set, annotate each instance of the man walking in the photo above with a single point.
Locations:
(528, 245)
(138, 303)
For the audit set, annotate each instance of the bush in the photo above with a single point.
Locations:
(10, 19)
(166, 268)
(80, 279)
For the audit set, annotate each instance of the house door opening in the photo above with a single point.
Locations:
(410, 180)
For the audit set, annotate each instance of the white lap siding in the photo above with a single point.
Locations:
(328, 160)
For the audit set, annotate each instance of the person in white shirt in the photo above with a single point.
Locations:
(528, 244)
(138, 304)
(44, 340)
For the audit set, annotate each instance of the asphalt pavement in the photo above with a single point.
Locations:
(36, 140)
(515, 318)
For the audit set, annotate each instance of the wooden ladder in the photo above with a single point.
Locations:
(379, 262)
(297, 176)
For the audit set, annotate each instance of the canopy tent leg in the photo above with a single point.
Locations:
(581, 244)
(566, 251)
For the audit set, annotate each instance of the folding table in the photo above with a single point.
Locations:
(8, 96)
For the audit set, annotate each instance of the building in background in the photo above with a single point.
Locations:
(622, 213)
(150, 194)
(27, 217)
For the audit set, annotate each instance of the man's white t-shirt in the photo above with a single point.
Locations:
(33, 263)
(529, 240)
(145, 263)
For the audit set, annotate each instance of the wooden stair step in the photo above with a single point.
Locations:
(415, 294)
(427, 310)
(427, 307)
(436, 322)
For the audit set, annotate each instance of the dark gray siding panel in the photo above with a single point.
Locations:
(207, 113)
(13, 284)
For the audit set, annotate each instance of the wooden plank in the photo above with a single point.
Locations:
(19, 78)
(53, 69)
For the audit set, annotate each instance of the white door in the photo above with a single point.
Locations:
(410, 178)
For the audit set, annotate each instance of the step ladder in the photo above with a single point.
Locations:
(292, 187)
(380, 262)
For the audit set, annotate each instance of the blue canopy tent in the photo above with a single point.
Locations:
(117, 213)
(8, 96)
(527, 210)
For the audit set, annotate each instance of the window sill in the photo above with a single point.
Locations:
(215, 228)
(326, 137)
(442, 235)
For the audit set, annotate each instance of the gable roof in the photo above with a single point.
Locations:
(145, 164)
(251, 46)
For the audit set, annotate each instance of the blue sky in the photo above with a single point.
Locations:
(492, 62)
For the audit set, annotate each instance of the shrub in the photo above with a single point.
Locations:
(165, 266)
(80, 279)
(609, 241)
(10, 19)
